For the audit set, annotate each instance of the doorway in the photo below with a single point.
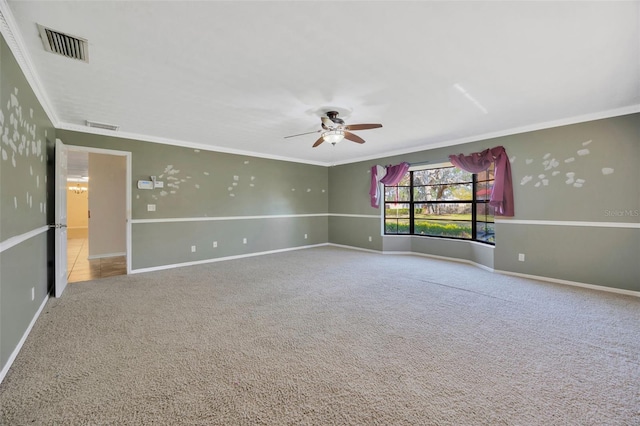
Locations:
(97, 213)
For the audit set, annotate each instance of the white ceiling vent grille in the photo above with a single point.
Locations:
(64, 44)
(104, 126)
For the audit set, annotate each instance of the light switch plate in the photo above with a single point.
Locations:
(151, 207)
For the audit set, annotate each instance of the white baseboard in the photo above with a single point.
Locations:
(450, 259)
(221, 259)
(102, 256)
(413, 253)
(572, 283)
(515, 274)
(15, 352)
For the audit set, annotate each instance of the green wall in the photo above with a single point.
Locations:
(572, 184)
(577, 203)
(211, 196)
(156, 244)
(25, 130)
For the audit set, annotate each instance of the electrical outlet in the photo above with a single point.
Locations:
(244, 241)
(521, 257)
(151, 207)
(370, 239)
(33, 293)
(193, 249)
(305, 236)
(215, 244)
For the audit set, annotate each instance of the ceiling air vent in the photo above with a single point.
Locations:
(64, 44)
(104, 126)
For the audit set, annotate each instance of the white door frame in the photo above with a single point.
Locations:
(127, 156)
(60, 225)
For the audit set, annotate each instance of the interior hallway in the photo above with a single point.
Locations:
(80, 268)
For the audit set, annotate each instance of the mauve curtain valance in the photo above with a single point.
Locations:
(502, 192)
(393, 175)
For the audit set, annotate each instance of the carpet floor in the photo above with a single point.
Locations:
(328, 336)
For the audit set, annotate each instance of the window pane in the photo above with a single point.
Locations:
(440, 176)
(396, 210)
(422, 193)
(443, 192)
(484, 189)
(443, 228)
(440, 203)
(485, 212)
(396, 226)
(443, 211)
(486, 232)
(390, 226)
(459, 192)
(406, 180)
(421, 177)
(403, 226)
(396, 193)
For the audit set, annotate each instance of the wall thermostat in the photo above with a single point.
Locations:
(145, 184)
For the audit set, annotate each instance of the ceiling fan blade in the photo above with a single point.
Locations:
(352, 137)
(318, 142)
(362, 126)
(300, 134)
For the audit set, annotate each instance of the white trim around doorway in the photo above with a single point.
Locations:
(127, 155)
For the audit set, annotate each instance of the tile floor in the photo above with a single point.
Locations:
(82, 269)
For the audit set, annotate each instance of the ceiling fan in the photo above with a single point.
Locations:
(334, 130)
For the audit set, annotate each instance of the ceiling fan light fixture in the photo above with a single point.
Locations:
(334, 130)
(333, 136)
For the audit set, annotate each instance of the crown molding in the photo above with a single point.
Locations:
(181, 143)
(11, 34)
(631, 109)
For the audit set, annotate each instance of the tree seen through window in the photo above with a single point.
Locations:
(441, 202)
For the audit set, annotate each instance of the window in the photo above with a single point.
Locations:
(441, 202)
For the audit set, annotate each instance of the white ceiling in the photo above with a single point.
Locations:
(239, 76)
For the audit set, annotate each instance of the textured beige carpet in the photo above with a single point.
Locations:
(328, 336)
